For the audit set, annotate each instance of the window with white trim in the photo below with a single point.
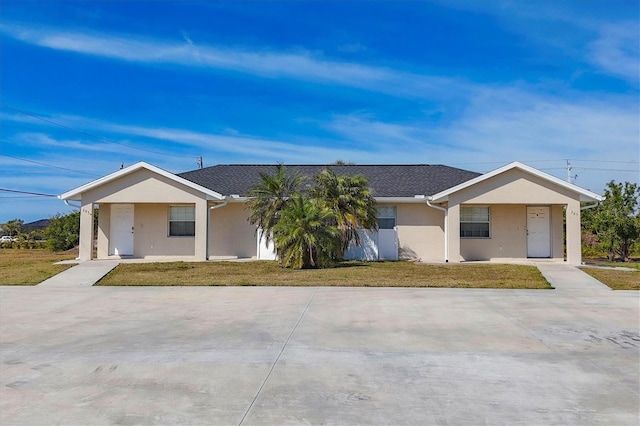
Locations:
(182, 221)
(474, 222)
(386, 217)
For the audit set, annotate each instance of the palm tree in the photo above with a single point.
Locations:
(270, 197)
(13, 227)
(350, 200)
(304, 236)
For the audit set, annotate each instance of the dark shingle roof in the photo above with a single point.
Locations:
(384, 180)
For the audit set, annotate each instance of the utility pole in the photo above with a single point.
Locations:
(570, 177)
(200, 162)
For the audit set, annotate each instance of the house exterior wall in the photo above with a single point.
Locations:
(420, 232)
(230, 233)
(508, 235)
(513, 187)
(151, 233)
(420, 229)
(508, 194)
(142, 186)
(151, 194)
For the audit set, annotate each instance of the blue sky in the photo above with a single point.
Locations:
(472, 84)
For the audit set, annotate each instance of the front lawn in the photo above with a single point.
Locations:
(29, 267)
(615, 278)
(348, 274)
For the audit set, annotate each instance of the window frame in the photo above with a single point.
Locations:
(387, 216)
(475, 221)
(170, 220)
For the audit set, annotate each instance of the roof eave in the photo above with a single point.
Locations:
(413, 199)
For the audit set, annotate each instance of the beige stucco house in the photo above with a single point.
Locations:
(429, 212)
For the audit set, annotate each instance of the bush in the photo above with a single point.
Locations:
(63, 232)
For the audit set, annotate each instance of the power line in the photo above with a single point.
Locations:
(607, 170)
(22, 197)
(549, 161)
(27, 192)
(50, 165)
(609, 161)
(591, 168)
(82, 132)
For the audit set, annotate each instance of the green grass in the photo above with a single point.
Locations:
(615, 278)
(347, 274)
(30, 267)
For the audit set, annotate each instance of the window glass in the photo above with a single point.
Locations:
(474, 222)
(386, 217)
(182, 221)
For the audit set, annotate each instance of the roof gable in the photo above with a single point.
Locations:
(585, 195)
(384, 180)
(76, 194)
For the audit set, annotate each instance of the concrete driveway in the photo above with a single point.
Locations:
(285, 355)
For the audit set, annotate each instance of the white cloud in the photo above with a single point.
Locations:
(617, 50)
(501, 125)
(301, 65)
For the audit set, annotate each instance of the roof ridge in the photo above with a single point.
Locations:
(330, 164)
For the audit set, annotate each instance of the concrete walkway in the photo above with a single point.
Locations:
(565, 277)
(84, 274)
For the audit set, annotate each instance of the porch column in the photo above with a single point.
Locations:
(453, 218)
(574, 249)
(104, 230)
(201, 230)
(86, 232)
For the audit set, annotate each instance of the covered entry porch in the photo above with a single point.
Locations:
(508, 232)
(514, 212)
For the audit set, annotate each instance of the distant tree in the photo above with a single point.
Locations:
(63, 232)
(616, 221)
(13, 227)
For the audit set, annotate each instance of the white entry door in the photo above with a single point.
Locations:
(538, 232)
(121, 235)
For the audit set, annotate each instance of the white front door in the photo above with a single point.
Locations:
(121, 235)
(538, 232)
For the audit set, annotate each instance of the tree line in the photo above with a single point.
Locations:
(63, 233)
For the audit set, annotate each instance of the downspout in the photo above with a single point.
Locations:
(71, 205)
(75, 207)
(217, 206)
(590, 206)
(446, 227)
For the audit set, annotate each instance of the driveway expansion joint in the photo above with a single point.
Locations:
(273, 366)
